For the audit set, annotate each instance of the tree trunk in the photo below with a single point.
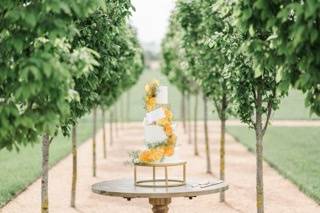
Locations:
(116, 120)
(104, 134)
(74, 166)
(222, 142)
(45, 171)
(189, 118)
(206, 135)
(259, 153)
(122, 112)
(222, 155)
(260, 196)
(110, 126)
(195, 134)
(128, 107)
(94, 157)
(183, 111)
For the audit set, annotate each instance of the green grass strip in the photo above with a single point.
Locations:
(20, 169)
(292, 151)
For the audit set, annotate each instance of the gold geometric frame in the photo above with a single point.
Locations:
(164, 182)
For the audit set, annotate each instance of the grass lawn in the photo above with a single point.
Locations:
(293, 151)
(18, 170)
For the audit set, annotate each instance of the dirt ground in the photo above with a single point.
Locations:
(281, 196)
(284, 123)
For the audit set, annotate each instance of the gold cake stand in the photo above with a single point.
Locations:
(167, 181)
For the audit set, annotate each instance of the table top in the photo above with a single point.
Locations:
(163, 164)
(126, 188)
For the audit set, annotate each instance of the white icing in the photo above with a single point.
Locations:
(154, 115)
(154, 134)
(162, 95)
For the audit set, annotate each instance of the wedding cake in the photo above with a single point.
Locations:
(159, 136)
(154, 133)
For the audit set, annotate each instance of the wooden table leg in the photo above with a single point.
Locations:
(160, 205)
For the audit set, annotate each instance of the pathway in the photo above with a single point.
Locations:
(284, 123)
(281, 196)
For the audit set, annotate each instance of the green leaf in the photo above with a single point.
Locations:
(314, 35)
(279, 74)
(258, 70)
(251, 30)
(246, 14)
(30, 18)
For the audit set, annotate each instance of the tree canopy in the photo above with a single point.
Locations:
(289, 40)
(38, 65)
(58, 60)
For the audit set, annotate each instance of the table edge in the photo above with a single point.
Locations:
(160, 195)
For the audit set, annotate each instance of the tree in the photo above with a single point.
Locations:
(212, 42)
(110, 127)
(70, 64)
(183, 110)
(216, 57)
(282, 38)
(258, 90)
(74, 166)
(105, 31)
(129, 68)
(36, 58)
(293, 35)
(80, 62)
(175, 68)
(189, 19)
(206, 134)
(189, 118)
(84, 85)
(209, 58)
(104, 141)
(30, 55)
(195, 126)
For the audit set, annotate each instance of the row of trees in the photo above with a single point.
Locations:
(60, 60)
(244, 56)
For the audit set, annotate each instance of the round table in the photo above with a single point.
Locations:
(159, 198)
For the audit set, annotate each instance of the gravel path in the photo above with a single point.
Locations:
(281, 196)
(284, 123)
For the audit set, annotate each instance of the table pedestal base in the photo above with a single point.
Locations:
(160, 205)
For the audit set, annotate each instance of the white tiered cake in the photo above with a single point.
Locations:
(160, 141)
(159, 136)
(154, 133)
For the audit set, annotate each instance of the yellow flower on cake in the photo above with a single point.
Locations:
(167, 147)
(150, 103)
(168, 151)
(151, 88)
(147, 89)
(163, 122)
(168, 113)
(145, 156)
(158, 153)
(155, 83)
(172, 140)
(151, 155)
(168, 129)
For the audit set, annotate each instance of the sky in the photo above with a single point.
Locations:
(151, 19)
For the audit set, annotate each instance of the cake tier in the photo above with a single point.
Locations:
(154, 116)
(154, 134)
(162, 95)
